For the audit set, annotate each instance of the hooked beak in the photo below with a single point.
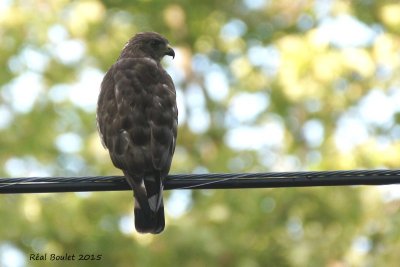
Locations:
(170, 52)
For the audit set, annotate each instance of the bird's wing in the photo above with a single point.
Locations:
(163, 117)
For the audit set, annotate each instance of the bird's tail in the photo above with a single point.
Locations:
(149, 205)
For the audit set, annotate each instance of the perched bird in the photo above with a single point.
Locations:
(137, 118)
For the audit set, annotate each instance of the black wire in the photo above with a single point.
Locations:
(204, 181)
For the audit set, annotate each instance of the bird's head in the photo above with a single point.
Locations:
(147, 44)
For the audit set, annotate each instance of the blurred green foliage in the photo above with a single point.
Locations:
(309, 105)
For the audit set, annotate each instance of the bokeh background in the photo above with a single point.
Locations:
(262, 85)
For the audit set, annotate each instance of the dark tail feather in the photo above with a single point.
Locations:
(149, 206)
(154, 223)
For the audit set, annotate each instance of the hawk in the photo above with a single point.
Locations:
(137, 118)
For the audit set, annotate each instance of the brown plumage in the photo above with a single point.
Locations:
(137, 119)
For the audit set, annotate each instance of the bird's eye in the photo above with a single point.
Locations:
(155, 43)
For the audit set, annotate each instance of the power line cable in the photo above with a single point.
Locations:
(204, 181)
